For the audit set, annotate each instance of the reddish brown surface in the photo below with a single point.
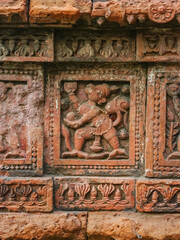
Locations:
(158, 195)
(21, 133)
(158, 46)
(30, 195)
(163, 122)
(132, 226)
(94, 193)
(26, 45)
(100, 120)
(88, 46)
(130, 12)
(13, 11)
(62, 225)
(65, 12)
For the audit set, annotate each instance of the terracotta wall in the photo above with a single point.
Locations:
(89, 119)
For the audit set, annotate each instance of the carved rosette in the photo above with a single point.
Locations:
(161, 13)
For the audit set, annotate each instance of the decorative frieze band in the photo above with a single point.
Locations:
(27, 194)
(20, 45)
(158, 195)
(94, 193)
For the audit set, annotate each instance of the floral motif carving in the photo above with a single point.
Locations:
(35, 47)
(105, 194)
(114, 48)
(161, 13)
(29, 195)
(158, 47)
(158, 196)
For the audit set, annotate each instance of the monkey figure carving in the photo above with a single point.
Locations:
(91, 121)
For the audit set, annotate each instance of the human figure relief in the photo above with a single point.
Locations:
(173, 121)
(10, 139)
(94, 122)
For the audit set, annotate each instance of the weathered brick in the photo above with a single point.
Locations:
(59, 11)
(13, 11)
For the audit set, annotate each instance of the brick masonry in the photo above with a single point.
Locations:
(89, 116)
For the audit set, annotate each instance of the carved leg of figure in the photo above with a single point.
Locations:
(2, 148)
(125, 120)
(112, 139)
(81, 135)
(96, 147)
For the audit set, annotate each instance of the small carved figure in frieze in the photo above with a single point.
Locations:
(99, 114)
(173, 120)
(3, 50)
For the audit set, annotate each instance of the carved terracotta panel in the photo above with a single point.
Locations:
(94, 193)
(94, 46)
(163, 122)
(21, 111)
(158, 46)
(158, 195)
(136, 11)
(94, 120)
(26, 194)
(19, 45)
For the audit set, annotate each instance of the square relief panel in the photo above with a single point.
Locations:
(163, 122)
(21, 111)
(94, 120)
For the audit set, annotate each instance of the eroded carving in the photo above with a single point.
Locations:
(98, 47)
(26, 46)
(21, 100)
(99, 112)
